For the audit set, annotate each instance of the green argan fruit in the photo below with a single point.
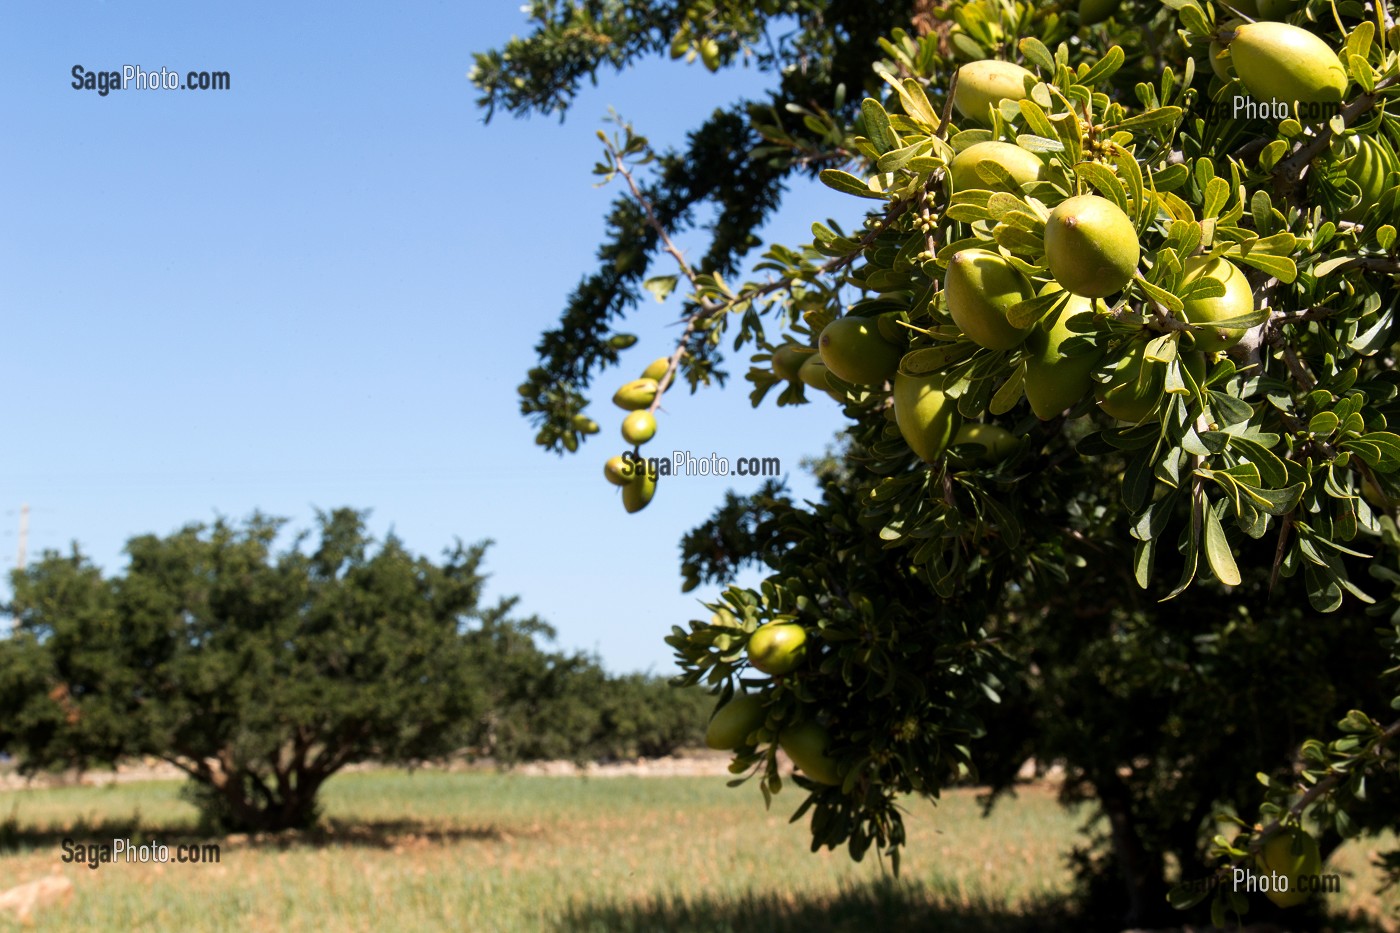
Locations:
(1022, 166)
(788, 359)
(585, 424)
(995, 442)
(1372, 162)
(981, 287)
(1374, 494)
(1220, 54)
(926, 417)
(638, 492)
(853, 349)
(617, 471)
(1096, 11)
(639, 427)
(1277, 61)
(813, 373)
(806, 744)
(1058, 376)
(636, 395)
(735, 721)
(982, 85)
(1291, 854)
(1091, 246)
(1137, 383)
(1237, 301)
(657, 369)
(778, 648)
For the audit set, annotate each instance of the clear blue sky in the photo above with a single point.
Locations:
(321, 288)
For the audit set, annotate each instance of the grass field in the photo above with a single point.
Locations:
(437, 850)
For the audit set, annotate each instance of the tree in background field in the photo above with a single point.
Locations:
(1119, 485)
(261, 673)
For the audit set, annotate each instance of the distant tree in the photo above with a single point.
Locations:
(259, 674)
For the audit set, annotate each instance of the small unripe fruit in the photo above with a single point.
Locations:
(657, 368)
(1058, 376)
(636, 495)
(585, 424)
(788, 360)
(639, 427)
(813, 373)
(618, 472)
(1237, 301)
(806, 744)
(982, 286)
(995, 443)
(852, 348)
(1091, 246)
(1371, 165)
(982, 85)
(636, 395)
(1220, 54)
(1292, 854)
(1137, 383)
(926, 417)
(1278, 61)
(735, 721)
(1022, 166)
(778, 648)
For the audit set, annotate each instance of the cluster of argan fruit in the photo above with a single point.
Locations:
(636, 398)
(776, 649)
(1092, 251)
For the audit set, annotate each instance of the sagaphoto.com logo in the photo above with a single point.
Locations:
(686, 463)
(134, 77)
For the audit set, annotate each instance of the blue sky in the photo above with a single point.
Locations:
(321, 288)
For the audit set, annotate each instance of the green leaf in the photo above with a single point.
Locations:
(1271, 468)
(1025, 313)
(661, 286)
(1161, 295)
(877, 126)
(927, 360)
(1152, 119)
(1218, 547)
(916, 103)
(1276, 501)
(847, 183)
(1216, 195)
(1104, 181)
(1103, 68)
(1138, 480)
(1281, 268)
(1036, 52)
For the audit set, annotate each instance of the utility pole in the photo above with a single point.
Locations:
(23, 533)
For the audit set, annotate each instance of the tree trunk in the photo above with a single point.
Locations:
(1142, 871)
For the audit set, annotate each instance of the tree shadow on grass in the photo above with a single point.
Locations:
(388, 835)
(883, 905)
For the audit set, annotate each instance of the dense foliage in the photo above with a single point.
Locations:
(262, 673)
(1123, 496)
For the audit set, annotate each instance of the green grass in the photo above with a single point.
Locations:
(496, 852)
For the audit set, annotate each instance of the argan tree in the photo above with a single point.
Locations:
(258, 673)
(1119, 360)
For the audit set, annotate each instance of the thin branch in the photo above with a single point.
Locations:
(707, 307)
(1288, 174)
